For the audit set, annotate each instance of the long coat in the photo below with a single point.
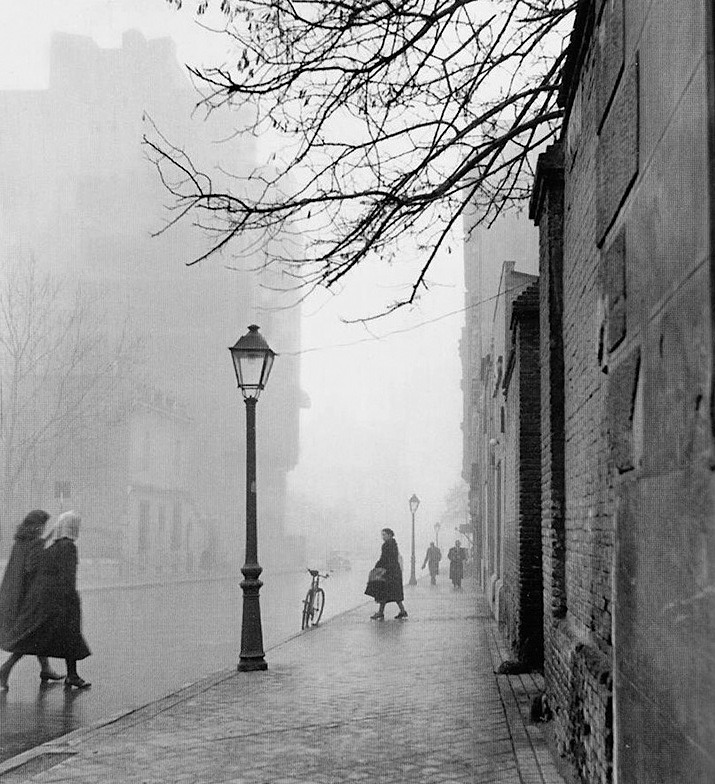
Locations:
(391, 589)
(19, 575)
(457, 556)
(50, 623)
(432, 559)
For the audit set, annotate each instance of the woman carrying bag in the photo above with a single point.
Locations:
(385, 581)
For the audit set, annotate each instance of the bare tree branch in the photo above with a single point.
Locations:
(395, 116)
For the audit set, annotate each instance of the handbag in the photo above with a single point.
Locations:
(376, 582)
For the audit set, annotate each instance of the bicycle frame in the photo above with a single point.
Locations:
(314, 601)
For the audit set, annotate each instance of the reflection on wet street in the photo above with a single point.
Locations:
(147, 641)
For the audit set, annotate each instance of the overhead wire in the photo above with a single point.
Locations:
(372, 338)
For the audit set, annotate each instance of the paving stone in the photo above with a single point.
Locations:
(350, 701)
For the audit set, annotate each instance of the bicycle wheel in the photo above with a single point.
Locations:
(307, 609)
(318, 604)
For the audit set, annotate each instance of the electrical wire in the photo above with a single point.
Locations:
(371, 338)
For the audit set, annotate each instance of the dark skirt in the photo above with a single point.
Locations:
(19, 574)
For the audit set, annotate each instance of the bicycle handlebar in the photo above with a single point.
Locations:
(316, 573)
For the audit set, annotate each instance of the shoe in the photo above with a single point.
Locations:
(401, 615)
(50, 675)
(378, 616)
(77, 682)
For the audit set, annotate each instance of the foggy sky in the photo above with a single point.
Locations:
(385, 415)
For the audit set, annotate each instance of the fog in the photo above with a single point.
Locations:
(150, 445)
(149, 442)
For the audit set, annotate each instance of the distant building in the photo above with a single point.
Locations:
(485, 250)
(78, 192)
(492, 478)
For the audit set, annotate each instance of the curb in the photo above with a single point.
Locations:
(63, 744)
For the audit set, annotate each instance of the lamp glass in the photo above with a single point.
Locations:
(252, 361)
(414, 503)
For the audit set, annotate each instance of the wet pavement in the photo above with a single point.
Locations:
(148, 641)
(353, 700)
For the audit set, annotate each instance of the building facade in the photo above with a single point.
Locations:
(624, 346)
(521, 600)
(624, 207)
(79, 195)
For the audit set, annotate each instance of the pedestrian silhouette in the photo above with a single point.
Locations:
(20, 573)
(389, 587)
(432, 559)
(457, 556)
(50, 621)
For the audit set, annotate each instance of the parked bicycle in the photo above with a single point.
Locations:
(314, 601)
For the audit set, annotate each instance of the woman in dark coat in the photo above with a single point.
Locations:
(51, 619)
(19, 575)
(389, 589)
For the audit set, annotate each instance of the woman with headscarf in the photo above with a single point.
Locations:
(19, 574)
(51, 620)
(388, 589)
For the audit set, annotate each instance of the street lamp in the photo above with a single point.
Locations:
(252, 361)
(414, 503)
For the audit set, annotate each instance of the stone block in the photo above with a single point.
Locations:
(613, 283)
(676, 375)
(617, 151)
(622, 388)
(610, 42)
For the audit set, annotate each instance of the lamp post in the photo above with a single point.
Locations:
(437, 526)
(414, 503)
(252, 361)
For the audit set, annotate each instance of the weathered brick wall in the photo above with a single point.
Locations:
(582, 668)
(510, 592)
(547, 210)
(521, 603)
(637, 354)
(531, 603)
(658, 292)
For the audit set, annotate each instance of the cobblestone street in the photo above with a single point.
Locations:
(353, 700)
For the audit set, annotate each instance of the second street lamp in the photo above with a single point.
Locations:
(414, 503)
(252, 361)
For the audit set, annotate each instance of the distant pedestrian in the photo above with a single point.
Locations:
(457, 556)
(51, 620)
(390, 588)
(432, 559)
(20, 572)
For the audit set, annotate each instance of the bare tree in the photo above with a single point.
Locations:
(394, 117)
(58, 372)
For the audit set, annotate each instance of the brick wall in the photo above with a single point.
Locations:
(521, 598)
(627, 527)
(529, 489)
(658, 262)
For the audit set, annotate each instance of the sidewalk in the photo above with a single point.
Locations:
(353, 700)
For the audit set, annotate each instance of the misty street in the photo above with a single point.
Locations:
(149, 641)
(417, 293)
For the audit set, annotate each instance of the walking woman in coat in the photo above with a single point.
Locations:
(389, 589)
(50, 623)
(20, 572)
